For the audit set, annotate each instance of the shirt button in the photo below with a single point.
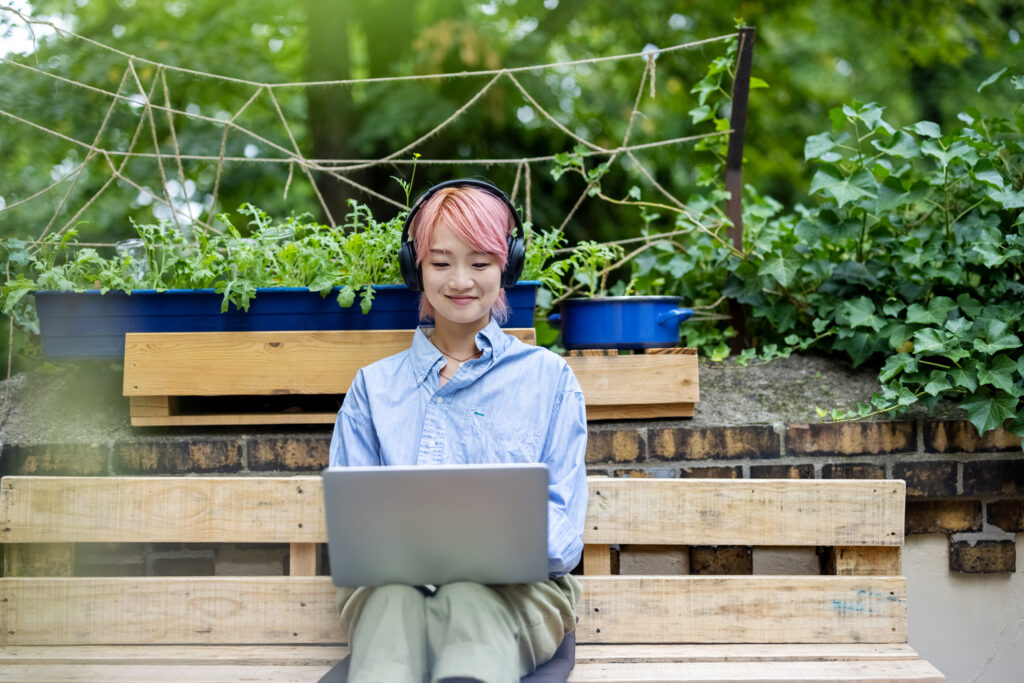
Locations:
(431, 443)
(438, 399)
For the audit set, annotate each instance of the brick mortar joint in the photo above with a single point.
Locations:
(992, 533)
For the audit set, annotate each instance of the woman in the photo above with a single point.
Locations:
(466, 392)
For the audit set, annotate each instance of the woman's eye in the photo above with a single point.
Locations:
(439, 264)
(481, 265)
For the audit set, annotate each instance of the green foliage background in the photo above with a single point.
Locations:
(892, 238)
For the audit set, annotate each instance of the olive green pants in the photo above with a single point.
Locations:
(490, 633)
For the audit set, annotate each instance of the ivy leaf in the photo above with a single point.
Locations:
(701, 113)
(903, 146)
(1008, 198)
(919, 315)
(992, 79)
(892, 195)
(964, 378)
(999, 374)
(999, 338)
(938, 382)
(929, 340)
(987, 411)
(969, 305)
(830, 182)
(990, 176)
(894, 365)
(780, 267)
(906, 397)
(859, 313)
(1017, 426)
(870, 114)
(859, 345)
(927, 129)
(893, 307)
(993, 255)
(958, 327)
(936, 313)
(818, 145)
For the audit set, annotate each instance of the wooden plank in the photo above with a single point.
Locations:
(162, 509)
(741, 512)
(759, 672)
(864, 561)
(217, 419)
(169, 610)
(640, 412)
(290, 510)
(691, 672)
(741, 652)
(743, 609)
(296, 610)
(597, 559)
(178, 672)
(258, 363)
(303, 559)
(152, 406)
(639, 379)
(326, 655)
(264, 655)
(41, 559)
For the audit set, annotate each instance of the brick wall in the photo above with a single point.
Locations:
(971, 489)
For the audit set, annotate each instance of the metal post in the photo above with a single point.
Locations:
(734, 165)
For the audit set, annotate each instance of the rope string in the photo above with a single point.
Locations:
(144, 99)
(353, 81)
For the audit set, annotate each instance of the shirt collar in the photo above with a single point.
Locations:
(492, 340)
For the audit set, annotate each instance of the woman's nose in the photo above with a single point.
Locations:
(460, 278)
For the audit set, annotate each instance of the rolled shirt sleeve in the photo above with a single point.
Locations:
(563, 452)
(354, 442)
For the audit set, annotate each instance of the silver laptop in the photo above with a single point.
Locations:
(422, 525)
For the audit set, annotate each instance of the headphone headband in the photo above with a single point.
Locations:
(516, 242)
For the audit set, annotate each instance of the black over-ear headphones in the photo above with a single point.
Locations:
(516, 242)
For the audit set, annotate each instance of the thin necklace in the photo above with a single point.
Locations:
(455, 358)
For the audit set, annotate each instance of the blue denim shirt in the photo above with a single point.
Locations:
(515, 403)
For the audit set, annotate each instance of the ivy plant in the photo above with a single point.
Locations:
(911, 260)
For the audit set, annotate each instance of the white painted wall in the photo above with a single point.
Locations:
(970, 626)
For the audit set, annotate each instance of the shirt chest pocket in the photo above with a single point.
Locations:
(486, 440)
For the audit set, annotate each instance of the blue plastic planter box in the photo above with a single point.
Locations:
(93, 325)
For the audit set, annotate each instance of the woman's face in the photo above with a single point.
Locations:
(460, 284)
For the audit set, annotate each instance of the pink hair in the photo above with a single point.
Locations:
(478, 219)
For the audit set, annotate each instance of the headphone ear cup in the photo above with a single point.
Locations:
(516, 261)
(407, 264)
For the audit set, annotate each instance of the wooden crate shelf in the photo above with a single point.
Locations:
(261, 378)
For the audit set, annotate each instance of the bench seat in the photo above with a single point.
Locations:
(848, 624)
(593, 663)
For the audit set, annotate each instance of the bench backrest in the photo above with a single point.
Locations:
(860, 523)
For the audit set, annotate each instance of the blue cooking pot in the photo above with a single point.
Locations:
(620, 322)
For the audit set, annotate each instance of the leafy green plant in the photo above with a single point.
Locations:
(911, 260)
(297, 252)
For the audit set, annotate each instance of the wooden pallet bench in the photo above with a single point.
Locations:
(167, 374)
(850, 625)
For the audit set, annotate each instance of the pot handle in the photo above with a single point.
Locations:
(555, 320)
(675, 316)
